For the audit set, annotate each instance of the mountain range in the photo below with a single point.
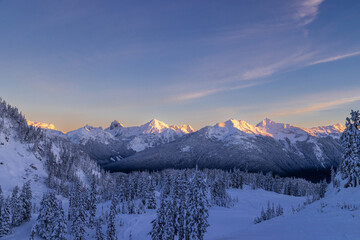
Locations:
(268, 146)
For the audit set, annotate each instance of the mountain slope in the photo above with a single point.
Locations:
(29, 153)
(149, 135)
(269, 146)
(117, 141)
(18, 164)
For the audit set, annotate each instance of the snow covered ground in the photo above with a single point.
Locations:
(313, 222)
(326, 219)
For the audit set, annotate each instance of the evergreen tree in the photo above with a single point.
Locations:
(322, 188)
(279, 210)
(158, 224)
(169, 228)
(350, 166)
(141, 208)
(25, 199)
(32, 233)
(179, 205)
(197, 208)
(131, 207)
(79, 214)
(218, 194)
(270, 213)
(46, 217)
(151, 199)
(5, 218)
(111, 228)
(59, 224)
(1, 198)
(92, 203)
(237, 179)
(16, 208)
(99, 232)
(333, 175)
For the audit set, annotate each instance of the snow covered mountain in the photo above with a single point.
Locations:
(278, 131)
(149, 135)
(88, 133)
(117, 141)
(268, 146)
(332, 130)
(137, 138)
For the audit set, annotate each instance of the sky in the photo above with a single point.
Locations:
(71, 63)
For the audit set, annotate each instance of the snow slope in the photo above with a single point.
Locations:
(314, 222)
(18, 165)
(322, 220)
(325, 219)
(222, 220)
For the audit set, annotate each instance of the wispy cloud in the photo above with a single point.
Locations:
(204, 93)
(194, 95)
(319, 105)
(259, 72)
(335, 58)
(307, 11)
(292, 61)
(244, 79)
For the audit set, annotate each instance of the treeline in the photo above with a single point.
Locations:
(269, 213)
(136, 185)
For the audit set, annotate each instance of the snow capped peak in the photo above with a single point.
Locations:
(182, 128)
(239, 125)
(41, 125)
(339, 127)
(186, 128)
(333, 130)
(90, 128)
(152, 127)
(155, 126)
(267, 124)
(116, 124)
(83, 135)
(282, 131)
(233, 131)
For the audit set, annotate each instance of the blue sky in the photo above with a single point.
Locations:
(73, 63)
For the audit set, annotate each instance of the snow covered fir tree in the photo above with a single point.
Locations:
(62, 193)
(350, 165)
